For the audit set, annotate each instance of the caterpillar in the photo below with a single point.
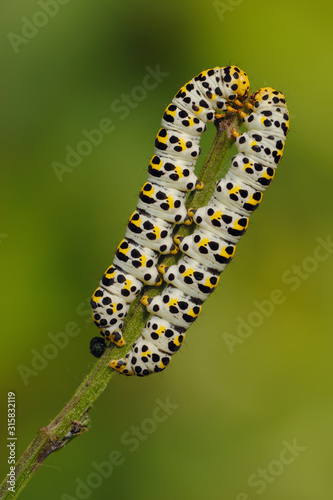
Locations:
(161, 201)
(219, 226)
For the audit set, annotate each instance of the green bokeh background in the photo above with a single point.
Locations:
(235, 409)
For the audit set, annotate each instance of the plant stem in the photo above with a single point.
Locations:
(73, 419)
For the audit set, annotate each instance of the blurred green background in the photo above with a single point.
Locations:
(236, 410)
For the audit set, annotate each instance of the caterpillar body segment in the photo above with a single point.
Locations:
(191, 277)
(151, 231)
(172, 173)
(210, 250)
(175, 306)
(152, 352)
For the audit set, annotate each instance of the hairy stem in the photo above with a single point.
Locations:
(73, 419)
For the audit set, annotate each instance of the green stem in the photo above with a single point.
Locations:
(73, 419)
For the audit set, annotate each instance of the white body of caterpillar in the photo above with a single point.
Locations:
(211, 247)
(162, 198)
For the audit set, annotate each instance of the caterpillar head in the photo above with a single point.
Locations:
(97, 347)
(267, 96)
(235, 82)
